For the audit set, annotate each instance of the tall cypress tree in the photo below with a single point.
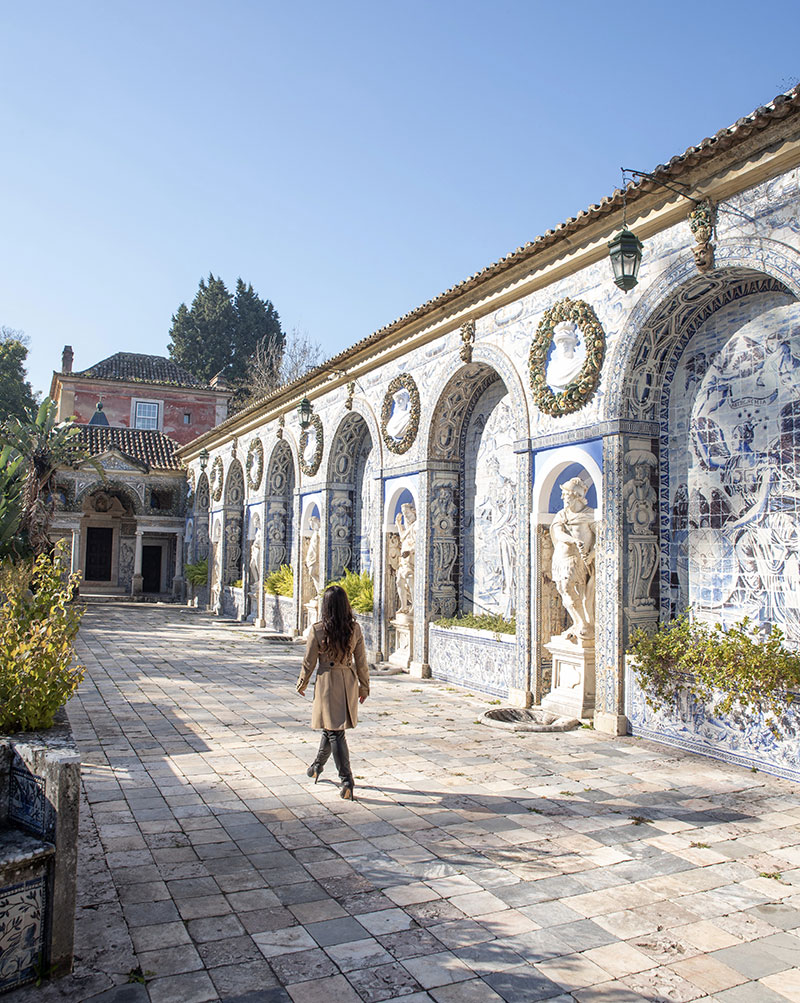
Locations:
(220, 333)
(257, 323)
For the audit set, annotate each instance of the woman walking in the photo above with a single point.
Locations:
(334, 645)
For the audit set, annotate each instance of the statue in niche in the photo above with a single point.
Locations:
(400, 417)
(567, 357)
(392, 563)
(552, 617)
(313, 555)
(406, 523)
(573, 534)
(254, 564)
(638, 495)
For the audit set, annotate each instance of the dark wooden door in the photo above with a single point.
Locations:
(151, 569)
(99, 540)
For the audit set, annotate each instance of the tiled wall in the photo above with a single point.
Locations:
(734, 466)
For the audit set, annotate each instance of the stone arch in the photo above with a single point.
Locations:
(457, 376)
(279, 520)
(124, 491)
(473, 500)
(362, 407)
(233, 513)
(681, 298)
(351, 472)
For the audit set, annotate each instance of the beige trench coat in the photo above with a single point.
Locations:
(338, 684)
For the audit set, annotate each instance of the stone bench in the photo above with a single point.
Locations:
(39, 804)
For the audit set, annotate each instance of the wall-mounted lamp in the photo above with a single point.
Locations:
(204, 455)
(625, 250)
(304, 410)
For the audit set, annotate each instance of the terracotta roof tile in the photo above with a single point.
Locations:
(135, 368)
(143, 445)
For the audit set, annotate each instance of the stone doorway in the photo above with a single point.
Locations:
(99, 545)
(151, 569)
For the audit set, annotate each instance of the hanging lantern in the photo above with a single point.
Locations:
(304, 409)
(204, 454)
(626, 256)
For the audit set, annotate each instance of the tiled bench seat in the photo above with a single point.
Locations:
(39, 799)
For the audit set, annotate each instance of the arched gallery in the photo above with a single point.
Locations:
(540, 446)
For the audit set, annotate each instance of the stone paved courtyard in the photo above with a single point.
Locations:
(475, 865)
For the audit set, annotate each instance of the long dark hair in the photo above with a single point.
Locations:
(338, 622)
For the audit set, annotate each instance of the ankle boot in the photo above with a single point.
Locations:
(314, 770)
(346, 790)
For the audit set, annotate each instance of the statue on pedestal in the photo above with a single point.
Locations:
(406, 523)
(573, 535)
(313, 555)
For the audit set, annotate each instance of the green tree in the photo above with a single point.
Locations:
(258, 326)
(220, 332)
(44, 445)
(16, 396)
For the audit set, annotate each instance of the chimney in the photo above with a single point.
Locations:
(66, 359)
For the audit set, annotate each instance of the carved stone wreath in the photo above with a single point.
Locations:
(575, 395)
(216, 478)
(309, 469)
(401, 382)
(255, 464)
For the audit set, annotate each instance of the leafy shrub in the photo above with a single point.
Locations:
(38, 625)
(280, 582)
(359, 589)
(480, 621)
(740, 667)
(197, 573)
(10, 499)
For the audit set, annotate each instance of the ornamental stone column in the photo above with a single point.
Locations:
(177, 581)
(75, 556)
(137, 581)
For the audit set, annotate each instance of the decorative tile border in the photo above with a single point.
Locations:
(22, 931)
(477, 659)
(690, 726)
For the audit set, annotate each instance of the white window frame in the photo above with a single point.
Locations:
(159, 406)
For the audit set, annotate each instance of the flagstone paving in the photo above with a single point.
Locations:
(475, 865)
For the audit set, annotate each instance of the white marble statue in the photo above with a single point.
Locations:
(400, 417)
(311, 445)
(406, 523)
(254, 565)
(567, 357)
(313, 555)
(573, 535)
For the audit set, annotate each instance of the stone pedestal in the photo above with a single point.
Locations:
(610, 724)
(572, 693)
(403, 624)
(137, 583)
(311, 614)
(520, 698)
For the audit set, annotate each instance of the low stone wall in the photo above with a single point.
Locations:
(691, 726)
(279, 614)
(478, 659)
(39, 805)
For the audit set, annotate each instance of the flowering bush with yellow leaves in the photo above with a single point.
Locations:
(38, 625)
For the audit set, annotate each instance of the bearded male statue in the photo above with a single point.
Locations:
(573, 534)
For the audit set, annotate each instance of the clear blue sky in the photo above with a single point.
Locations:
(351, 160)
